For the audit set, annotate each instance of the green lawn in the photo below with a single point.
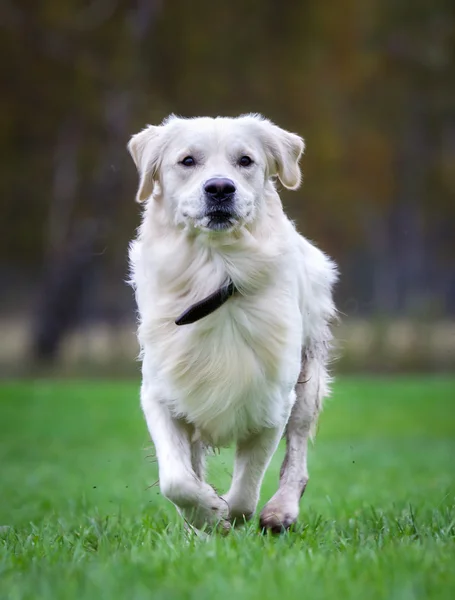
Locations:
(79, 520)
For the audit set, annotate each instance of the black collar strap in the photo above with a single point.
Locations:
(205, 307)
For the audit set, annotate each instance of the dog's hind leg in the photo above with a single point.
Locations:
(283, 509)
(198, 452)
(252, 458)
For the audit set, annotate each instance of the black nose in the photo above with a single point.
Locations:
(219, 189)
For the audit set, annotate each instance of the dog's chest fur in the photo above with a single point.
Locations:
(233, 371)
(229, 372)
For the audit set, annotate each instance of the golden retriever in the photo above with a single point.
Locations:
(235, 309)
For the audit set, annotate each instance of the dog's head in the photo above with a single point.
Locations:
(212, 174)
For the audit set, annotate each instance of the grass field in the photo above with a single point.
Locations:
(79, 521)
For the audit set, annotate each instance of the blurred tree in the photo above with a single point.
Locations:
(369, 84)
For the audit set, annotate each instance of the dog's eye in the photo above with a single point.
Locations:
(245, 161)
(188, 161)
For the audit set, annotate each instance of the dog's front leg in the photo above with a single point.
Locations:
(252, 458)
(196, 501)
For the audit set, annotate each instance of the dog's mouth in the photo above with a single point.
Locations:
(218, 220)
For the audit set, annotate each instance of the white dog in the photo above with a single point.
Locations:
(234, 307)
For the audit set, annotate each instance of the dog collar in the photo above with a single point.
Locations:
(205, 307)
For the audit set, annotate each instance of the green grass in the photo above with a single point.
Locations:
(79, 520)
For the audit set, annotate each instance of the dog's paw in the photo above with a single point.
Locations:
(277, 515)
(239, 510)
(205, 521)
(205, 510)
(222, 527)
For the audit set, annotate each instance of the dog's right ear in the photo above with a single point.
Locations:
(144, 147)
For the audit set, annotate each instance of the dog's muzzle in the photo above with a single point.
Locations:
(220, 197)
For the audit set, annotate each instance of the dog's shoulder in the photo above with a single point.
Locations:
(317, 275)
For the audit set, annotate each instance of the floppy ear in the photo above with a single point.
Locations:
(284, 150)
(144, 147)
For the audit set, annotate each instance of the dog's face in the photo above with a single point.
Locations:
(212, 173)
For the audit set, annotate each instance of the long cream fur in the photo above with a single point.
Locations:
(233, 375)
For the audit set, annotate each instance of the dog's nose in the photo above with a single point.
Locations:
(219, 189)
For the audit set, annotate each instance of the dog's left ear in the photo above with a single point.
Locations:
(284, 150)
(144, 148)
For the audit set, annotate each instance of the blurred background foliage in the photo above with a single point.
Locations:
(369, 84)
